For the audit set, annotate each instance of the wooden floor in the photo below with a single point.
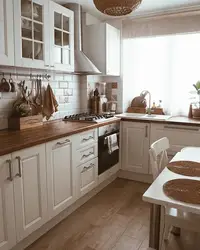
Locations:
(115, 219)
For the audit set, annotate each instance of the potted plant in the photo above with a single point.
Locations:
(196, 105)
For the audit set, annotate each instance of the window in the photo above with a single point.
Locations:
(167, 66)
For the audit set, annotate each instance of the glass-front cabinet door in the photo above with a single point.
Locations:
(61, 38)
(31, 33)
(6, 33)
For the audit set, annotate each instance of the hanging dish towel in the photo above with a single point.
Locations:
(112, 143)
(50, 105)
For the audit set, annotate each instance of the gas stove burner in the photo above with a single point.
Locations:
(85, 117)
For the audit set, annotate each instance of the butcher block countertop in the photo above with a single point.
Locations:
(176, 120)
(11, 141)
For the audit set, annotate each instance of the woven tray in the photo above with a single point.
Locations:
(184, 190)
(187, 168)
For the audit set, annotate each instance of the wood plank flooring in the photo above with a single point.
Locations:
(115, 219)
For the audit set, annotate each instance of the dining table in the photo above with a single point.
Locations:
(157, 198)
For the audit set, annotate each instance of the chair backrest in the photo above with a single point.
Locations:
(158, 156)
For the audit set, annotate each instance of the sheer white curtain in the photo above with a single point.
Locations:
(167, 66)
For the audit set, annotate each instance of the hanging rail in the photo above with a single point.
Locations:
(32, 76)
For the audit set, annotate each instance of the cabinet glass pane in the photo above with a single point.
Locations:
(26, 28)
(37, 12)
(57, 55)
(66, 56)
(38, 51)
(27, 49)
(38, 32)
(26, 8)
(66, 23)
(57, 20)
(58, 37)
(66, 40)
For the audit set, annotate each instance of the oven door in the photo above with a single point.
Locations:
(106, 160)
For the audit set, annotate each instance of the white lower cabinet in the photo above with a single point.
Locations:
(30, 190)
(60, 175)
(135, 147)
(7, 214)
(179, 136)
(87, 177)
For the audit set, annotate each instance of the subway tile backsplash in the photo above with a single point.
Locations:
(71, 91)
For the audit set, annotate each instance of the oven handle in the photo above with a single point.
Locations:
(106, 138)
(111, 133)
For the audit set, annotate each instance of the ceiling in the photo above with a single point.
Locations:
(147, 6)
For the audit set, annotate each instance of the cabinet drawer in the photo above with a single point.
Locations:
(86, 154)
(86, 138)
(87, 176)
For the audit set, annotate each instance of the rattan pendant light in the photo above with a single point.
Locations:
(117, 7)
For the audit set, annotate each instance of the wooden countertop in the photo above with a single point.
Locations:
(178, 120)
(11, 141)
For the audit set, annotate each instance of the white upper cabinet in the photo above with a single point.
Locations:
(31, 24)
(135, 147)
(60, 175)
(7, 215)
(102, 45)
(6, 33)
(30, 190)
(112, 50)
(61, 23)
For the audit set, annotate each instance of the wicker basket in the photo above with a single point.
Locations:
(117, 7)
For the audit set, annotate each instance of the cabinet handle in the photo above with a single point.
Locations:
(60, 144)
(19, 167)
(87, 168)
(52, 66)
(86, 156)
(178, 128)
(10, 178)
(146, 131)
(87, 139)
(46, 65)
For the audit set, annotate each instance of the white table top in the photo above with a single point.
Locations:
(155, 193)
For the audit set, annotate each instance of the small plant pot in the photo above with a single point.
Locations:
(196, 113)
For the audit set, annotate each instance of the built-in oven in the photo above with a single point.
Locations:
(106, 159)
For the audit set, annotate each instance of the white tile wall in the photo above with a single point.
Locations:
(71, 91)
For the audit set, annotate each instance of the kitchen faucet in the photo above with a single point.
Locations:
(144, 94)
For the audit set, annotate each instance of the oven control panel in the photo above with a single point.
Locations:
(109, 129)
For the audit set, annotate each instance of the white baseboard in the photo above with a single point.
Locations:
(52, 223)
(135, 176)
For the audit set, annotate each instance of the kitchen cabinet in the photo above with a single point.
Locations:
(31, 19)
(102, 43)
(87, 177)
(61, 37)
(179, 136)
(30, 190)
(6, 33)
(7, 215)
(60, 175)
(135, 147)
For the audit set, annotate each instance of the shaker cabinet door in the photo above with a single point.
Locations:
(7, 213)
(60, 175)
(31, 19)
(30, 190)
(61, 37)
(135, 147)
(6, 33)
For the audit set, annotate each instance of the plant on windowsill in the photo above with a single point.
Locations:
(196, 105)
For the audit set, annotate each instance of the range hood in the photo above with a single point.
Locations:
(82, 64)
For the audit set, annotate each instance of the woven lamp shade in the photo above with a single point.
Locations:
(117, 7)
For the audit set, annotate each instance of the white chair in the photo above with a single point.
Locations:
(172, 217)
